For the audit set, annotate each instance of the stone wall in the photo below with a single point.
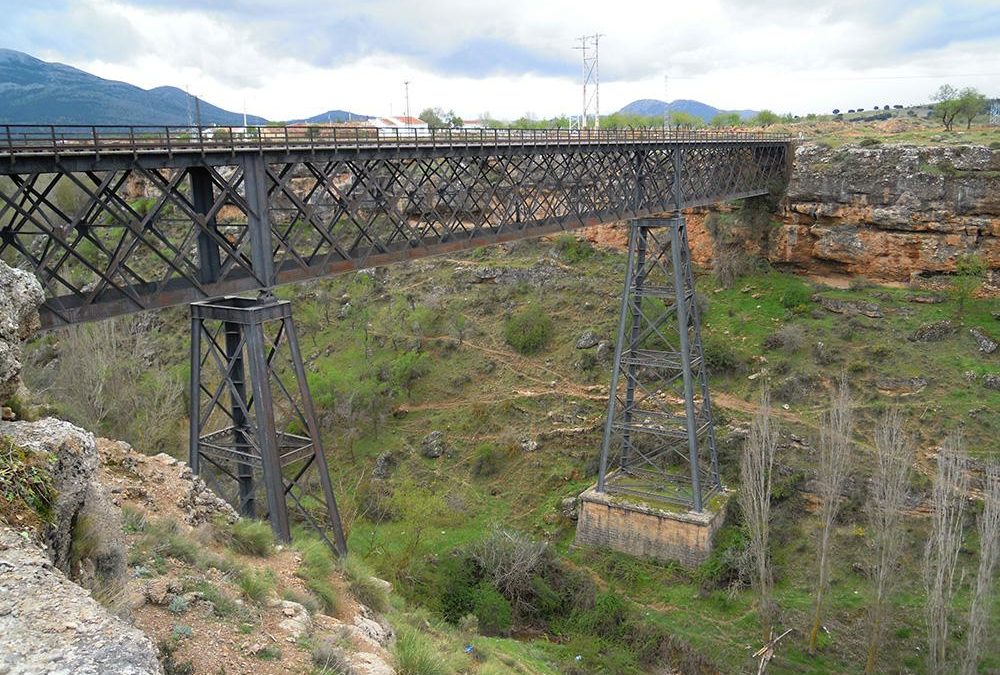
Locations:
(609, 521)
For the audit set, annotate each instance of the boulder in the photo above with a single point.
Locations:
(987, 345)
(433, 445)
(587, 340)
(82, 507)
(933, 332)
(384, 464)
(48, 624)
(837, 306)
(992, 381)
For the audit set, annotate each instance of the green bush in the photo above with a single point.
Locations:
(573, 249)
(493, 612)
(797, 297)
(251, 537)
(487, 461)
(529, 330)
(415, 655)
(721, 354)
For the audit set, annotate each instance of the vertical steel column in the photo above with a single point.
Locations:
(194, 402)
(258, 219)
(267, 438)
(616, 369)
(209, 263)
(238, 404)
(633, 297)
(682, 298)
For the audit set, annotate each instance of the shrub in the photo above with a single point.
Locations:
(330, 659)
(797, 297)
(573, 249)
(731, 262)
(492, 611)
(256, 586)
(868, 142)
(364, 586)
(722, 355)
(415, 655)
(487, 461)
(529, 330)
(251, 537)
(789, 337)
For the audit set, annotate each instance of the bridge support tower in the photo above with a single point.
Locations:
(245, 367)
(658, 492)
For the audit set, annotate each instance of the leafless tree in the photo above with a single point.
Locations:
(885, 507)
(509, 560)
(110, 380)
(989, 552)
(941, 553)
(756, 465)
(834, 460)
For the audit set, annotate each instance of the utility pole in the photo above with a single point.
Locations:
(406, 86)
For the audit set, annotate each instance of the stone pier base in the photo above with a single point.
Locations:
(629, 525)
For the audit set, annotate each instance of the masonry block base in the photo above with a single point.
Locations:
(642, 530)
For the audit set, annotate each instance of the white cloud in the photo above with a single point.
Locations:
(300, 58)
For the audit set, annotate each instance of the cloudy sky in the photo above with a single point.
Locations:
(295, 58)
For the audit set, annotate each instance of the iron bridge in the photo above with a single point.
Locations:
(115, 220)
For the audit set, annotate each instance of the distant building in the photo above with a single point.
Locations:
(390, 127)
(473, 124)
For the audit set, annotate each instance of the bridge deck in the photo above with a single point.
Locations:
(115, 219)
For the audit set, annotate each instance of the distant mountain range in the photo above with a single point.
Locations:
(651, 107)
(332, 116)
(37, 92)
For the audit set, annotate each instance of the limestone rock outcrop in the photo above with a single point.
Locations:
(890, 212)
(82, 509)
(49, 624)
(20, 296)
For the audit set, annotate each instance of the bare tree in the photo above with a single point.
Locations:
(885, 506)
(834, 460)
(941, 553)
(756, 465)
(989, 552)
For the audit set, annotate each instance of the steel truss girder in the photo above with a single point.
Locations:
(111, 235)
(246, 367)
(658, 432)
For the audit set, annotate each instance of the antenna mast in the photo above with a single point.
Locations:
(591, 79)
(406, 86)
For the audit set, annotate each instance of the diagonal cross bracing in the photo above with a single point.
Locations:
(130, 224)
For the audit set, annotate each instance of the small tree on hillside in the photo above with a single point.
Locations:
(835, 446)
(434, 118)
(723, 119)
(970, 104)
(885, 508)
(765, 118)
(969, 271)
(947, 105)
(941, 552)
(756, 464)
(685, 120)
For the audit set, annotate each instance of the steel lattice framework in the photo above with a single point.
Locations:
(659, 429)
(118, 221)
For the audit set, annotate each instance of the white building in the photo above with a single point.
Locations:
(390, 127)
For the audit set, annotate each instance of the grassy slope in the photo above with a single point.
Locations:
(441, 504)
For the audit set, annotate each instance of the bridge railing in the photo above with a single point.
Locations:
(73, 139)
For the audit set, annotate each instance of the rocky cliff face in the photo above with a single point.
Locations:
(20, 296)
(889, 212)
